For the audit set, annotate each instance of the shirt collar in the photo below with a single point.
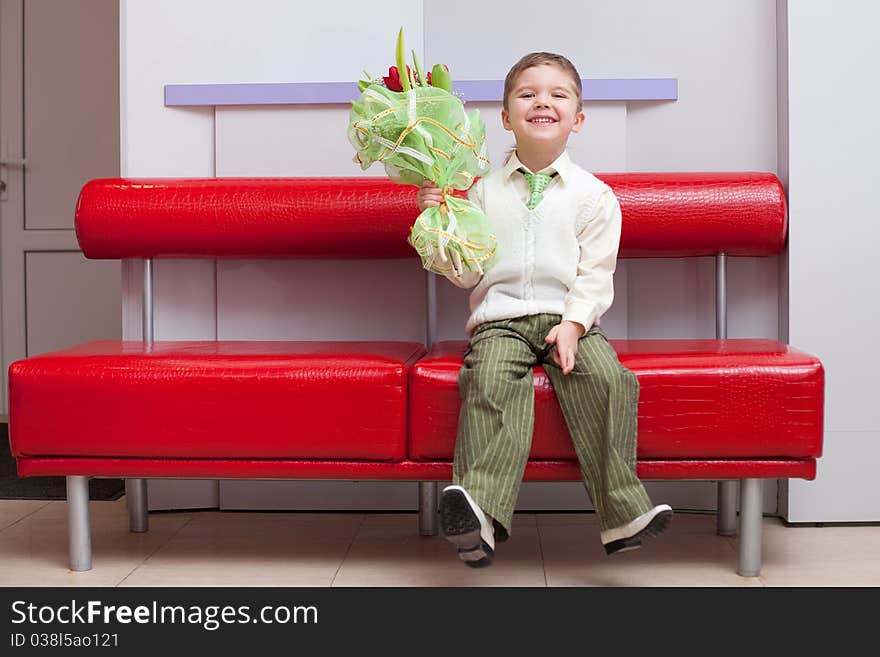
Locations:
(561, 165)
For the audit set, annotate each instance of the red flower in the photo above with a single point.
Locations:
(393, 79)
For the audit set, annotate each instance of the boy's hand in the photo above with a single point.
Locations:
(565, 336)
(429, 196)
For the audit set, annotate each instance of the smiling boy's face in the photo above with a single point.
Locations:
(543, 108)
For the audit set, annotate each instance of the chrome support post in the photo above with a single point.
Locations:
(721, 296)
(78, 526)
(431, 309)
(428, 489)
(148, 301)
(136, 501)
(136, 489)
(726, 515)
(750, 503)
(726, 507)
(428, 508)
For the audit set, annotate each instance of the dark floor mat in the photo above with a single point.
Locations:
(45, 488)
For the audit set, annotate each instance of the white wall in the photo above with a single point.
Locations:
(834, 303)
(227, 41)
(723, 54)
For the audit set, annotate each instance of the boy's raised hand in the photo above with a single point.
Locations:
(429, 196)
(565, 336)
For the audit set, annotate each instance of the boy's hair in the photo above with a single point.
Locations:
(539, 59)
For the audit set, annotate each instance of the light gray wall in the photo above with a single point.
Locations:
(723, 54)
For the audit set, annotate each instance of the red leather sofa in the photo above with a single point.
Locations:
(733, 410)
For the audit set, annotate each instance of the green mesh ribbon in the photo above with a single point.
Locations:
(421, 134)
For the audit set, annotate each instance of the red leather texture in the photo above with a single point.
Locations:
(664, 215)
(699, 399)
(401, 471)
(217, 400)
(699, 214)
(246, 217)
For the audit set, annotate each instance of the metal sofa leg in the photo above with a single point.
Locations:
(428, 508)
(136, 500)
(79, 531)
(726, 513)
(751, 501)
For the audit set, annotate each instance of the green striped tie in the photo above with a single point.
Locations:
(537, 184)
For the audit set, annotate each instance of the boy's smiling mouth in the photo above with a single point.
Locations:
(542, 120)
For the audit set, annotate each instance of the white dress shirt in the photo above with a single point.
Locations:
(556, 258)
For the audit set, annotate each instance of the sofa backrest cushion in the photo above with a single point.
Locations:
(664, 215)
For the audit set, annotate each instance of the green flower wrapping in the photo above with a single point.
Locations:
(425, 133)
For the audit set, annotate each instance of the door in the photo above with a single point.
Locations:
(59, 127)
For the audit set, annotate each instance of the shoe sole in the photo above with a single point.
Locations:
(629, 547)
(461, 527)
(657, 526)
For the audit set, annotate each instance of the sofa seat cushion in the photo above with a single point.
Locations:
(227, 399)
(699, 399)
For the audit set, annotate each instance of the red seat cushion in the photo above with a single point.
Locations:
(260, 400)
(704, 399)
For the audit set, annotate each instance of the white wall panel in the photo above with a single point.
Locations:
(752, 301)
(321, 300)
(285, 140)
(723, 54)
(155, 140)
(835, 301)
(846, 488)
(229, 41)
(71, 300)
(834, 305)
(184, 306)
(662, 298)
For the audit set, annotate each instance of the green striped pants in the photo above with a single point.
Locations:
(599, 400)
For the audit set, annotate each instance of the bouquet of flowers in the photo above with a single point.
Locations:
(419, 130)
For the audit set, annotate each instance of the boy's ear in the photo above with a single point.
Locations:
(579, 120)
(505, 120)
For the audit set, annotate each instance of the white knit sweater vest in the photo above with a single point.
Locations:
(538, 252)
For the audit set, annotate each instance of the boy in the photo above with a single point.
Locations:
(558, 230)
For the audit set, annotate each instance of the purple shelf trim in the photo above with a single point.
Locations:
(317, 93)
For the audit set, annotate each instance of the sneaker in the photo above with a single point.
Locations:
(629, 536)
(464, 524)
